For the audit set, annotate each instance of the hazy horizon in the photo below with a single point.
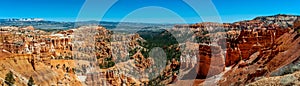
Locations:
(62, 20)
(144, 11)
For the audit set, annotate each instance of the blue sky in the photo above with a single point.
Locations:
(67, 10)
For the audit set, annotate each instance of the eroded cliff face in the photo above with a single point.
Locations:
(279, 19)
(255, 35)
(286, 80)
(283, 66)
(253, 49)
(268, 59)
(27, 52)
(23, 67)
(250, 42)
(211, 61)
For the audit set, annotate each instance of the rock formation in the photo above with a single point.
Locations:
(254, 48)
(211, 61)
(236, 53)
(270, 57)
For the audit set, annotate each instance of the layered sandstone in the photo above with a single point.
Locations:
(252, 49)
(282, 52)
(211, 61)
(290, 79)
(23, 68)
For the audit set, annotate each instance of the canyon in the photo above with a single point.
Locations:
(241, 53)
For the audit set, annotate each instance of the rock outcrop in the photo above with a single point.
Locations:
(279, 19)
(283, 51)
(211, 61)
(254, 48)
(247, 50)
(286, 80)
(22, 69)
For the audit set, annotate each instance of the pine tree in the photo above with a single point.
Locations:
(9, 79)
(30, 82)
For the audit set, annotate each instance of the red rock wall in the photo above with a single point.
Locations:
(232, 57)
(250, 42)
(211, 61)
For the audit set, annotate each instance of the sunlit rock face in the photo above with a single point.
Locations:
(256, 34)
(34, 53)
(266, 51)
(24, 67)
(260, 47)
(265, 62)
(280, 19)
(297, 25)
(211, 61)
(232, 56)
(249, 42)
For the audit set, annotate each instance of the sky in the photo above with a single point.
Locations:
(147, 11)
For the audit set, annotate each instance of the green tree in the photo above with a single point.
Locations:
(30, 82)
(9, 79)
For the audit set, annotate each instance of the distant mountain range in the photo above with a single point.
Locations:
(279, 19)
(43, 24)
(23, 19)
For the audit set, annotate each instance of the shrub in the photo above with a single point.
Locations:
(9, 79)
(111, 64)
(30, 82)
